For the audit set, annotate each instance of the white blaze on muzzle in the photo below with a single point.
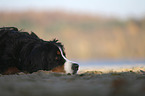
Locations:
(67, 64)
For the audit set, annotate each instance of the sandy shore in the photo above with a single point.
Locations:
(91, 83)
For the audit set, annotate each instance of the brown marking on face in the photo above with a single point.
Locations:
(11, 70)
(58, 53)
(58, 69)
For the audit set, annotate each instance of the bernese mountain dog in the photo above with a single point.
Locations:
(24, 52)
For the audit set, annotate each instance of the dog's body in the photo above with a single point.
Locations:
(24, 52)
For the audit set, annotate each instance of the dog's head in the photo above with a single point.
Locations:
(51, 56)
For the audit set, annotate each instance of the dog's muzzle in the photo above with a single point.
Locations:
(71, 67)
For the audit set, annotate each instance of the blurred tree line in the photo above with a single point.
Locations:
(84, 36)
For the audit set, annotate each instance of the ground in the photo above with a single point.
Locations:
(90, 83)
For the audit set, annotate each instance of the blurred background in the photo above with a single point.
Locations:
(89, 29)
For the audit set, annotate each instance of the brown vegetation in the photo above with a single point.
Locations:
(84, 36)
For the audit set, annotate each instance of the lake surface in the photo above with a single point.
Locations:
(108, 65)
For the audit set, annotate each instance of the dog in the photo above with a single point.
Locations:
(24, 52)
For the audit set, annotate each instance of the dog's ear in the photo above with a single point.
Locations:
(34, 61)
(37, 59)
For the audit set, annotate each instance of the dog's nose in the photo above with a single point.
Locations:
(75, 66)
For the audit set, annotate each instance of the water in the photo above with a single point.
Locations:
(109, 65)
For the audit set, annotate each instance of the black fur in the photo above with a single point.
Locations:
(27, 52)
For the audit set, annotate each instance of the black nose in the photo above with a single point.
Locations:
(75, 66)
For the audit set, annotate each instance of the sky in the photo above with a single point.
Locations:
(121, 8)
